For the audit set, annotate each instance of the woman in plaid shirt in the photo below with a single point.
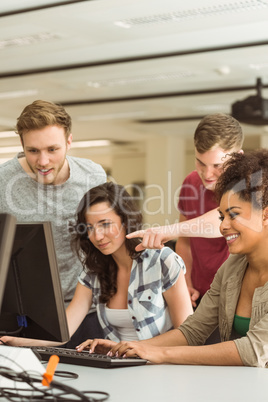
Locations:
(138, 295)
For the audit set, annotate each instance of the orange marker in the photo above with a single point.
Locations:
(51, 367)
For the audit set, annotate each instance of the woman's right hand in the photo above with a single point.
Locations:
(102, 346)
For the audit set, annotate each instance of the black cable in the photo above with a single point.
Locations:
(66, 374)
(56, 391)
(82, 395)
(11, 333)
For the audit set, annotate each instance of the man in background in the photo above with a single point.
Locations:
(216, 136)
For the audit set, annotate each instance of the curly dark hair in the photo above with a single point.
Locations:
(92, 259)
(247, 175)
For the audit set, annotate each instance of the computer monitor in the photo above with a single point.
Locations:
(32, 300)
(7, 232)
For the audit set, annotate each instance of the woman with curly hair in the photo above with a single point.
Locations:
(137, 295)
(237, 301)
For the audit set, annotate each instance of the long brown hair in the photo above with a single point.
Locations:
(92, 259)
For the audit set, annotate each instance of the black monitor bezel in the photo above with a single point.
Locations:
(40, 290)
(7, 234)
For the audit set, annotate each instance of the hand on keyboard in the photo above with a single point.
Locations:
(83, 358)
(96, 345)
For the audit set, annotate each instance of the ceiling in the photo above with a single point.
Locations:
(131, 70)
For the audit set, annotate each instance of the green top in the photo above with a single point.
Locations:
(241, 324)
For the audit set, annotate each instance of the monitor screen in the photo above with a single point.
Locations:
(33, 305)
(7, 232)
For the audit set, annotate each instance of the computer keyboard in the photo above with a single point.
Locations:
(84, 358)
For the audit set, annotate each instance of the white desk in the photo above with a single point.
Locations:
(170, 383)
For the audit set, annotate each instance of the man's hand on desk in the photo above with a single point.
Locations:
(102, 346)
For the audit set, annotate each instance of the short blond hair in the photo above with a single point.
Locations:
(220, 130)
(40, 114)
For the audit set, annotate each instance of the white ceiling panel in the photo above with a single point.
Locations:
(129, 70)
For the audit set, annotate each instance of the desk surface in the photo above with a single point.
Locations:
(172, 383)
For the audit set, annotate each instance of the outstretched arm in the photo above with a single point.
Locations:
(206, 225)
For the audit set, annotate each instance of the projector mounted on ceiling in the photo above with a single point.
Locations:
(252, 110)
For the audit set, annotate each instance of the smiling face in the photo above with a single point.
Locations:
(244, 227)
(105, 229)
(45, 155)
(209, 166)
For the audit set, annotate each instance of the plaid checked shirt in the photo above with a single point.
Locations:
(152, 273)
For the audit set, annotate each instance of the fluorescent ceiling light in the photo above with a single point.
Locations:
(91, 143)
(258, 66)
(8, 134)
(122, 24)
(28, 40)
(211, 108)
(112, 116)
(75, 144)
(193, 13)
(18, 94)
(142, 79)
(8, 150)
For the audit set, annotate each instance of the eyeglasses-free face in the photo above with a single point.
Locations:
(105, 229)
(45, 155)
(209, 166)
(243, 226)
